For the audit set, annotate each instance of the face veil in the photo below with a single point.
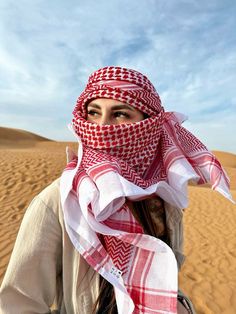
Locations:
(131, 161)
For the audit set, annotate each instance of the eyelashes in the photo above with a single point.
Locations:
(121, 114)
(92, 112)
(115, 114)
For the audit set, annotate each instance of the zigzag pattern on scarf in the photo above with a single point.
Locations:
(119, 252)
(188, 140)
(150, 98)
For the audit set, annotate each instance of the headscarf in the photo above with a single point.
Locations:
(153, 156)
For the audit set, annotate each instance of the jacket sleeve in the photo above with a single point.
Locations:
(29, 285)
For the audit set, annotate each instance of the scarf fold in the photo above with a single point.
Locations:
(131, 161)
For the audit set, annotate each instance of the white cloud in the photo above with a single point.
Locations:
(187, 49)
(215, 134)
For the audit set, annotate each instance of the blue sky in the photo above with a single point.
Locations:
(187, 48)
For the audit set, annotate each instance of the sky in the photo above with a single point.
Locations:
(48, 49)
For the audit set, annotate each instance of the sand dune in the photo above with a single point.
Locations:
(209, 273)
(227, 159)
(10, 138)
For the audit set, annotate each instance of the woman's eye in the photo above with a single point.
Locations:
(121, 114)
(92, 112)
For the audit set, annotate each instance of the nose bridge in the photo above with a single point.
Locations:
(105, 117)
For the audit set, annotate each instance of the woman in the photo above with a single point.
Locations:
(106, 238)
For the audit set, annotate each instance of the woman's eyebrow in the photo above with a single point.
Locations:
(115, 107)
(122, 106)
(94, 105)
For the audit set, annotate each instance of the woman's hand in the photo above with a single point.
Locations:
(70, 154)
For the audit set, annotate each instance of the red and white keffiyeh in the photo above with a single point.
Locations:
(131, 161)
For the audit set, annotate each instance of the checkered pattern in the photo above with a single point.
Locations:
(108, 82)
(131, 160)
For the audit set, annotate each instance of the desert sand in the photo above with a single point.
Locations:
(28, 163)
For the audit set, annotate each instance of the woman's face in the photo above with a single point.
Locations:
(108, 111)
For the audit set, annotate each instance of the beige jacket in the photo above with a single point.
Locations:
(45, 268)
